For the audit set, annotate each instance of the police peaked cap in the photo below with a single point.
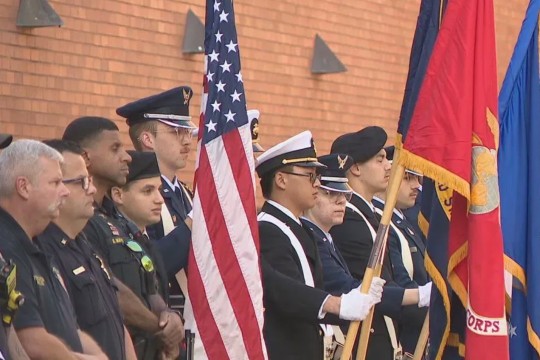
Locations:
(361, 145)
(170, 107)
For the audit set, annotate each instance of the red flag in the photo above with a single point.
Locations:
(453, 138)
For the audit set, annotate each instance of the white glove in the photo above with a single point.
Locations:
(376, 288)
(424, 295)
(355, 305)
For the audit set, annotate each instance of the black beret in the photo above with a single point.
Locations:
(143, 165)
(361, 145)
(5, 140)
(333, 177)
(170, 107)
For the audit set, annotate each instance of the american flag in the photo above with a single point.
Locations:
(224, 281)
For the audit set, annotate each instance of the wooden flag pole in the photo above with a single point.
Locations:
(374, 267)
(422, 340)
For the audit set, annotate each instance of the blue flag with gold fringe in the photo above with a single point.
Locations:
(519, 176)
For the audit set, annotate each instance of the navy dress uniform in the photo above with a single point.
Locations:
(354, 239)
(406, 249)
(337, 277)
(171, 235)
(289, 335)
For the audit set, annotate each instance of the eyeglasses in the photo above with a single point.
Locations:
(181, 133)
(146, 262)
(312, 176)
(336, 195)
(84, 180)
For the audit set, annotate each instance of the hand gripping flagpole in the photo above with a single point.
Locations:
(374, 266)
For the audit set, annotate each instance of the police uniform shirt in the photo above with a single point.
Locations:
(90, 288)
(108, 237)
(47, 304)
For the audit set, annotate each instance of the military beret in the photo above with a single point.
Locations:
(170, 107)
(361, 145)
(143, 165)
(298, 150)
(5, 140)
(334, 177)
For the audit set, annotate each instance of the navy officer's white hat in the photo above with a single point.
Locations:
(298, 150)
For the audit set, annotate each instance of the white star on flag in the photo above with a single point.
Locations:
(218, 36)
(220, 86)
(239, 77)
(216, 105)
(226, 66)
(216, 5)
(211, 126)
(213, 56)
(223, 16)
(231, 46)
(230, 116)
(235, 96)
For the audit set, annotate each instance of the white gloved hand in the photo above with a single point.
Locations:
(424, 295)
(355, 305)
(376, 288)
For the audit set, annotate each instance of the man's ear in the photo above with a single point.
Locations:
(86, 157)
(117, 195)
(355, 170)
(23, 187)
(280, 181)
(147, 140)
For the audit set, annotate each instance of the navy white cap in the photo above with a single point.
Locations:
(5, 140)
(298, 150)
(143, 165)
(170, 107)
(390, 156)
(334, 177)
(361, 145)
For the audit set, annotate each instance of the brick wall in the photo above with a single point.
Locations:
(112, 52)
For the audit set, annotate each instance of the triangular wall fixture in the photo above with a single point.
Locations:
(193, 34)
(37, 13)
(324, 60)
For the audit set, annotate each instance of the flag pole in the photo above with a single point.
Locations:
(374, 267)
(422, 340)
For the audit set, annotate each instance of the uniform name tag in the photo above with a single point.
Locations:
(79, 270)
(414, 249)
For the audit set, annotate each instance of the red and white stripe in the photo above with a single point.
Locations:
(225, 291)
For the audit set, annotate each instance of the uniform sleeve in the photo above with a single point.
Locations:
(399, 272)
(174, 248)
(354, 241)
(28, 314)
(284, 290)
(336, 280)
